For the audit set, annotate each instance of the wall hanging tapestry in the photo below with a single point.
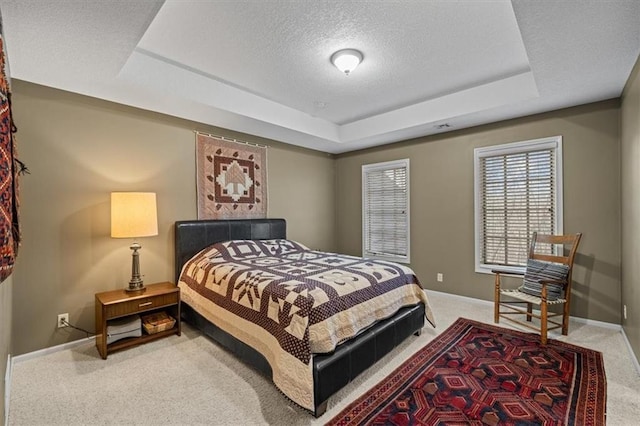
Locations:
(475, 373)
(9, 229)
(231, 179)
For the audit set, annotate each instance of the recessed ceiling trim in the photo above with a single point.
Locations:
(156, 75)
(480, 98)
(150, 72)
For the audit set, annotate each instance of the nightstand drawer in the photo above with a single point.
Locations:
(158, 298)
(141, 304)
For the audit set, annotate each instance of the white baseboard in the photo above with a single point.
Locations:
(75, 343)
(633, 355)
(7, 389)
(489, 303)
(42, 352)
(603, 324)
(30, 355)
(465, 298)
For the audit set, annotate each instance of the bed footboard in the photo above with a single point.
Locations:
(333, 371)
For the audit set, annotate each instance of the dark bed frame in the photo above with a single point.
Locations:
(332, 371)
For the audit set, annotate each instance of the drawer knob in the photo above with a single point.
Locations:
(145, 304)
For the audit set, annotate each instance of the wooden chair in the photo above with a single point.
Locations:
(547, 281)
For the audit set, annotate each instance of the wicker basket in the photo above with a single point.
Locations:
(155, 323)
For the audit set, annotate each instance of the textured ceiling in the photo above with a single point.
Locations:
(263, 68)
(285, 55)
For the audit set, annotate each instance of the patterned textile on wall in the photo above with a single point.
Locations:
(231, 179)
(9, 230)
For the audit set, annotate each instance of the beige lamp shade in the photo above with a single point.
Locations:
(133, 214)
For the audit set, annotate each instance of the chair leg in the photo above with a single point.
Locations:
(496, 300)
(529, 311)
(565, 319)
(543, 316)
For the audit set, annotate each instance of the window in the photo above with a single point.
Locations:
(385, 210)
(518, 190)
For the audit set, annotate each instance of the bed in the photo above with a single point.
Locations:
(307, 370)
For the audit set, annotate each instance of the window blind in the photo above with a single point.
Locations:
(518, 198)
(386, 210)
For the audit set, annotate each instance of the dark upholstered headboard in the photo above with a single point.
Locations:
(191, 236)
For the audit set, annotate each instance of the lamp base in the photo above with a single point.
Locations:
(135, 285)
(134, 290)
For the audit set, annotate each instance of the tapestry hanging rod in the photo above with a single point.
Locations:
(231, 139)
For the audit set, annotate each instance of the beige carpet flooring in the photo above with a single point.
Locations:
(189, 380)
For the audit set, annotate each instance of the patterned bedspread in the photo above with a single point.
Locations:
(288, 302)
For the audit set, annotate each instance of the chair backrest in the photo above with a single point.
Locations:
(567, 241)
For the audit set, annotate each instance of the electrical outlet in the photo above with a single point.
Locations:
(63, 320)
(439, 277)
(624, 311)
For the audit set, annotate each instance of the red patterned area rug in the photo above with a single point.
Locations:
(476, 374)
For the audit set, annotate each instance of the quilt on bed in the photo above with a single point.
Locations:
(288, 302)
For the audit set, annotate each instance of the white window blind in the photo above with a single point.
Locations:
(385, 214)
(518, 192)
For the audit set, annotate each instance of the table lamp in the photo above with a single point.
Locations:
(133, 215)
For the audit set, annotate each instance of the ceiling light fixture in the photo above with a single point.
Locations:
(346, 60)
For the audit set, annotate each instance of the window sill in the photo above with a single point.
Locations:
(404, 260)
(486, 269)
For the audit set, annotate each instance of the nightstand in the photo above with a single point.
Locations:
(118, 304)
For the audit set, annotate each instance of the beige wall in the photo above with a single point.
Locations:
(5, 336)
(442, 215)
(78, 150)
(630, 167)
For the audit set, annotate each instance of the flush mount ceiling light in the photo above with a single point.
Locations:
(346, 60)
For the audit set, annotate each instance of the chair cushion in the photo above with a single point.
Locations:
(539, 270)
